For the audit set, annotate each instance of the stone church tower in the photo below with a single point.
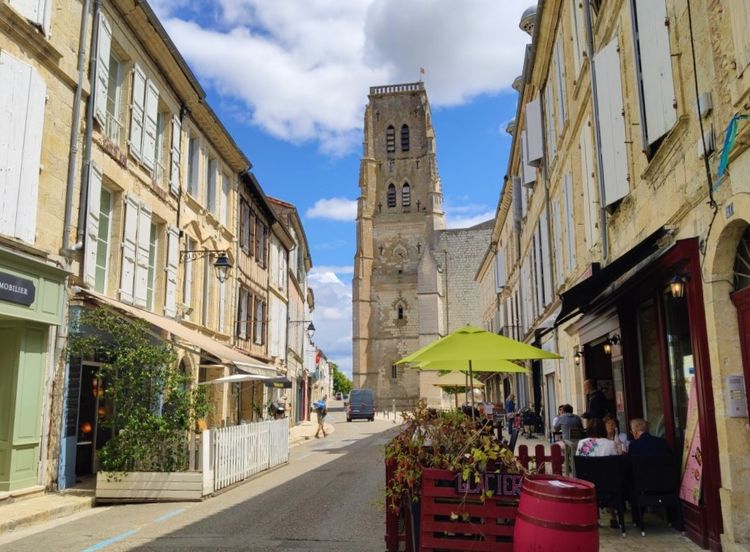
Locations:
(398, 289)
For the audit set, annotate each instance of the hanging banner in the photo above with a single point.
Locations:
(692, 456)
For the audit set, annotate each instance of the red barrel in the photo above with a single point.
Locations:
(556, 513)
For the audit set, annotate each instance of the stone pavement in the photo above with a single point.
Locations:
(304, 431)
(22, 513)
(658, 537)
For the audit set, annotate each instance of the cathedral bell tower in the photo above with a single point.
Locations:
(399, 215)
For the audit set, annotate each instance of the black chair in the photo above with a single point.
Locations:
(513, 440)
(655, 483)
(608, 474)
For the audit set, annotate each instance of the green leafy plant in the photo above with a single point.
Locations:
(154, 407)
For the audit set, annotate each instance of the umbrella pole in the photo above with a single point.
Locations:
(471, 390)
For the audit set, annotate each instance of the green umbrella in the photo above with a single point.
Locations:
(456, 382)
(496, 366)
(468, 345)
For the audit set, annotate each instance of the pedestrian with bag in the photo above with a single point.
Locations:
(321, 410)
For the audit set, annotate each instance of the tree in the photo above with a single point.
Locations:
(153, 405)
(340, 382)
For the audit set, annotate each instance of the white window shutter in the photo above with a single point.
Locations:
(222, 306)
(570, 223)
(137, 109)
(740, 16)
(187, 283)
(36, 11)
(173, 260)
(590, 195)
(656, 68)
(537, 269)
(557, 230)
(129, 247)
(562, 110)
(546, 257)
(611, 124)
(22, 103)
(141, 257)
(242, 331)
(534, 140)
(93, 207)
(224, 200)
(578, 35)
(529, 172)
(150, 120)
(104, 47)
(499, 270)
(174, 173)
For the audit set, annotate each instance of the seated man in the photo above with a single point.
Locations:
(645, 443)
(566, 421)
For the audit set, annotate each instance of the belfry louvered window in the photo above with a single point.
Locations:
(391, 195)
(404, 138)
(405, 195)
(390, 140)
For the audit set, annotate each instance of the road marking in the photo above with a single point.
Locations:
(171, 514)
(117, 538)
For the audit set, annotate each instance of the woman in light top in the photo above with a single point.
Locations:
(620, 439)
(596, 444)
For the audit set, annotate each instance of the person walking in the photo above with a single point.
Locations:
(321, 410)
(596, 401)
(510, 412)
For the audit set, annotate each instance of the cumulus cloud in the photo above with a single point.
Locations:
(333, 314)
(460, 214)
(336, 208)
(302, 68)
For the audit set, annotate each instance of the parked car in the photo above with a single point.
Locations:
(339, 396)
(361, 405)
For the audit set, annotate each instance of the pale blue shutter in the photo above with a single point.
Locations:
(656, 68)
(137, 109)
(22, 103)
(93, 207)
(129, 249)
(102, 69)
(611, 124)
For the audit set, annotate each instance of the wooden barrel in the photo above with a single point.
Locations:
(556, 513)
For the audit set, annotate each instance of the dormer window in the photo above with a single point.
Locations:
(390, 139)
(404, 138)
(406, 195)
(391, 195)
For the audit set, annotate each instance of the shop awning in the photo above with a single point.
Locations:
(278, 383)
(235, 378)
(580, 297)
(225, 355)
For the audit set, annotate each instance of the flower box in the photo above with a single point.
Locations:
(149, 486)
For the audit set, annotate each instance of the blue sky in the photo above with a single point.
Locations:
(289, 79)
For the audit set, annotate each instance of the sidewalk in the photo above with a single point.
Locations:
(304, 431)
(17, 514)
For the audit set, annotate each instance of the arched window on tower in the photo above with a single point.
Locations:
(391, 195)
(406, 195)
(404, 137)
(390, 139)
(400, 312)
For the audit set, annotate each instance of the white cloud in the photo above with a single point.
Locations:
(344, 269)
(468, 221)
(333, 314)
(460, 214)
(336, 208)
(302, 68)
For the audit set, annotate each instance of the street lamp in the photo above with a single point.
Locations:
(310, 327)
(222, 264)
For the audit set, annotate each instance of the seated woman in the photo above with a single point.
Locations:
(620, 439)
(596, 444)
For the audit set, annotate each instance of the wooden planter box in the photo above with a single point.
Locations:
(149, 486)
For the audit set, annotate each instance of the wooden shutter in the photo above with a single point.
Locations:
(187, 283)
(570, 223)
(242, 330)
(129, 248)
(93, 208)
(150, 121)
(141, 259)
(562, 111)
(36, 11)
(499, 270)
(102, 69)
(590, 195)
(137, 109)
(537, 283)
(611, 124)
(173, 260)
(211, 186)
(546, 257)
(652, 42)
(739, 14)
(22, 103)
(174, 172)
(224, 200)
(222, 306)
(578, 35)
(529, 172)
(549, 113)
(557, 230)
(534, 140)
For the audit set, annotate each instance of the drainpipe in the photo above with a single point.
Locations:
(597, 134)
(82, 212)
(74, 129)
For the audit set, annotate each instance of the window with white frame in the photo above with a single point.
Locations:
(113, 125)
(193, 161)
(102, 241)
(152, 253)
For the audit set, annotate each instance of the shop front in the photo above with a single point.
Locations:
(31, 306)
(644, 343)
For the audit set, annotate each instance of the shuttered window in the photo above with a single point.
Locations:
(259, 322)
(22, 103)
(534, 130)
(194, 152)
(38, 12)
(150, 125)
(404, 138)
(137, 111)
(549, 112)
(578, 33)
(129, 250)
(224, 200)
(187, 277)
(261, 243)
(207, 289)
(739, 14)
(390, 140)
(557, 236)
(151, 278)
(537, 274)
(174, 155)
(222, 306)
(651, 36)
(499, 270)
(590, 194)
(140, 296)
(405, 195)
(242, 311)
(529, 172)
(102, 245)
(103, 55)
(173, 259)
(611, 124)
(570, 223)
(546, 258)
(245, 227)
(562, 91)
(93, 221)
(211, 186)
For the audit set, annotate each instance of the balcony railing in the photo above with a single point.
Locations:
(113, 128)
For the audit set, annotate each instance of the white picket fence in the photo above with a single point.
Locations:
(237, 452)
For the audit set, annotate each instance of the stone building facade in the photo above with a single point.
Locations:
(413, 279)
(621, 236)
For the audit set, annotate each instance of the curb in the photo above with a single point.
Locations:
(49, 514)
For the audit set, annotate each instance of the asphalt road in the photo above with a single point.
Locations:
(328, 498)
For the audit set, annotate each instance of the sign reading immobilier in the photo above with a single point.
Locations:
(16, 290)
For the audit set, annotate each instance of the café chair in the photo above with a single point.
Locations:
(608, 474)
(655, 483)
(513, 440)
